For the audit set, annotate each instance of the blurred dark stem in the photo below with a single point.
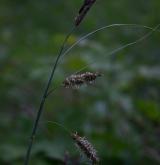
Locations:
(35, 126)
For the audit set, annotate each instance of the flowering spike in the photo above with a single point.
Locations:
(80, 79)
(83, 11)
(86, 147)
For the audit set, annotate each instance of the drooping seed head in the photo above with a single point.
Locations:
(86, 147)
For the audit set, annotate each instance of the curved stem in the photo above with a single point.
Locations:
(112, 52)
(35, 126)
(106, 27)
(124, 46)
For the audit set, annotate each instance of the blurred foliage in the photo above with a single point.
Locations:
(119, 114)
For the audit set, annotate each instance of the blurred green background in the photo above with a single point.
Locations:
(119, 114)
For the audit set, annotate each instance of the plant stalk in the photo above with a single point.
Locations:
(42, 103)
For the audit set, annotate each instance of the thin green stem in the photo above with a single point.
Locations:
(60, 125)
(124, 46)
(103, 28)
(35, 126)
(115, 50)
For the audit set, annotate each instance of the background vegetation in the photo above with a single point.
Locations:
(119, 114)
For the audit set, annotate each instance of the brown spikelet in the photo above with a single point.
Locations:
(83, 11)
(89, 77)
(86, 147)
(80, 79)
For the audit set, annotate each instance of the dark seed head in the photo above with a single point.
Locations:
(86, 147)
(80, 79)
(83, 11)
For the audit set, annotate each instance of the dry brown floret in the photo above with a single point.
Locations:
(86, 147)
(80, 79)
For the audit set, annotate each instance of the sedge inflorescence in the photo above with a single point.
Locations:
(83, 11)
(77, 80)
(86, 147)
